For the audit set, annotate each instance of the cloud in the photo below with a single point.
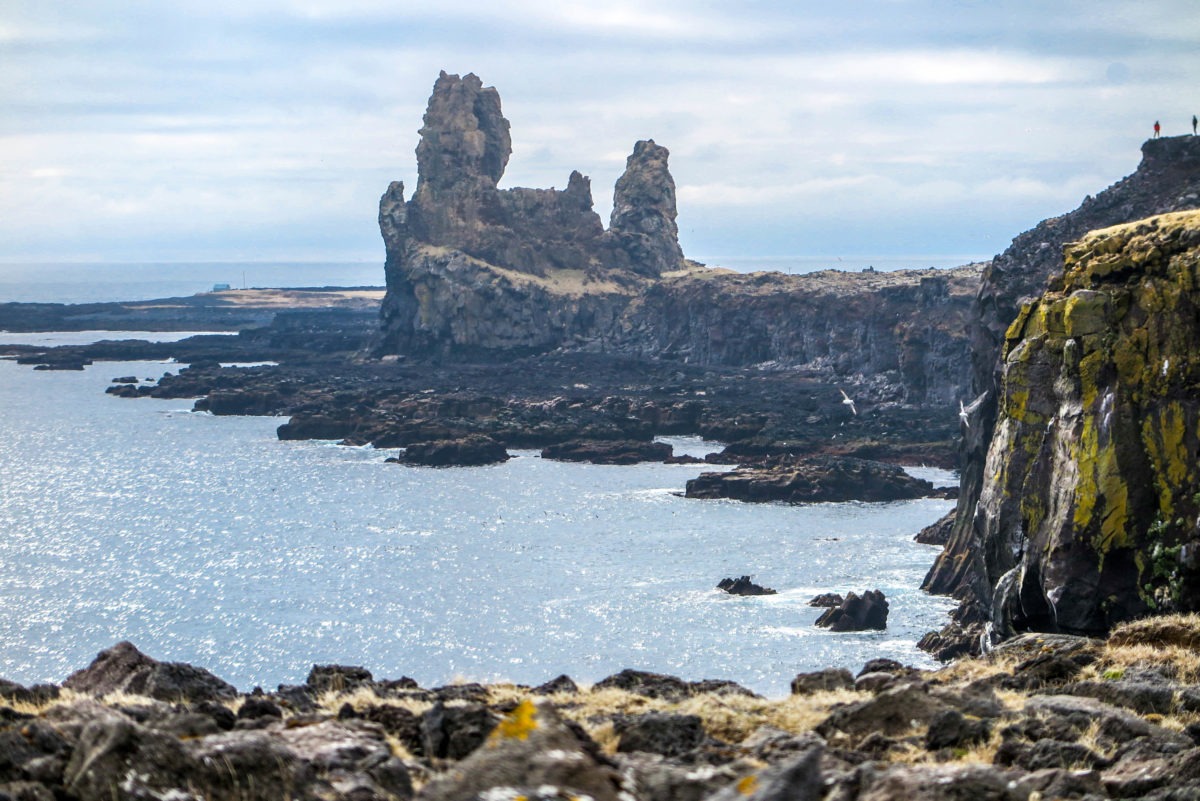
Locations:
(272, 126)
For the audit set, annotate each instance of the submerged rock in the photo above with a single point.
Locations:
(470, 451)
(608, 451)
(815, 479)
(743, 586)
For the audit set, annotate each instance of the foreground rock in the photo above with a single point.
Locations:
(866, 612)
(1044, 717)
(813, 480)
(125, 669)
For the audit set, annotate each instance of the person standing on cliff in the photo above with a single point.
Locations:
(1193, 125)
(1157, 129)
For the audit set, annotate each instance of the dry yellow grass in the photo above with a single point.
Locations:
(364, 697)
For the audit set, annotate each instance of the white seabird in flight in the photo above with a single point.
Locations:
(847, 401)
(962, 414)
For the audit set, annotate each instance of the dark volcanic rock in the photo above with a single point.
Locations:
(857, 613)
(937, 533)
(1086, 517)
(826, 600)
(1167, 179)
(669, 735)
(473, 270)
(651, 685)
(643, 215)
(469, 451)
(123, 668)
(608, 452)
(822, 680)
(337, 678)
(815, 479)
(743, 586)
(453, 732)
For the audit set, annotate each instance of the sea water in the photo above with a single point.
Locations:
(111, 282)
(207, 540)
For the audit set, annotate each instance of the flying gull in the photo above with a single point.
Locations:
(847, 401)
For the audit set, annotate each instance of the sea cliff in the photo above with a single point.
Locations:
(475, 272)
(1166, 180)
(1090, 497)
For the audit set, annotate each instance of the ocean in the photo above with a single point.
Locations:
(108, 282)
(207, 540)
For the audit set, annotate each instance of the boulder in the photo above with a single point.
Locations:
(651, 685)
(669, 735)
(621, 452)
(743, 586)
(867, 612)
(811, 480)
(945, 783)
(895, 712)
(821, 681)
(352, 757)
(337, 678)
(798, 779)
(531, 753)
(952, 729)
(559, 684)
(123, 668)
(826, 600)
(453, 732)
(470, 451)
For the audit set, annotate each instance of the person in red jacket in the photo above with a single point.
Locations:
(1157, 129)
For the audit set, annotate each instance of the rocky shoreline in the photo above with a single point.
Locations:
(1042, 716)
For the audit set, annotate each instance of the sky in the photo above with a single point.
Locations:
(186, 130)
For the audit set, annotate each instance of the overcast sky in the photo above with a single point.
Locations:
(176, 130)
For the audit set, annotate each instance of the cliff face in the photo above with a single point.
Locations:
(1090, 506)
(474, 271)
(1166, 180)
(896, 336)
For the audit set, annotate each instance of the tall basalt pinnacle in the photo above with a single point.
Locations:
(643, 216)
(465, 138)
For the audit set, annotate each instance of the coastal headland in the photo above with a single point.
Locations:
(1061, 379)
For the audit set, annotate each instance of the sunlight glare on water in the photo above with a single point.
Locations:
(206, 540)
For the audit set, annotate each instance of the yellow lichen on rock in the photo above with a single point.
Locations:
(518, 724)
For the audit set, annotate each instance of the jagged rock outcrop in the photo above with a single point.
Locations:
(642, 223)
(521, 251)
(1089, 512)
(1167, 179)
(474, 271)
